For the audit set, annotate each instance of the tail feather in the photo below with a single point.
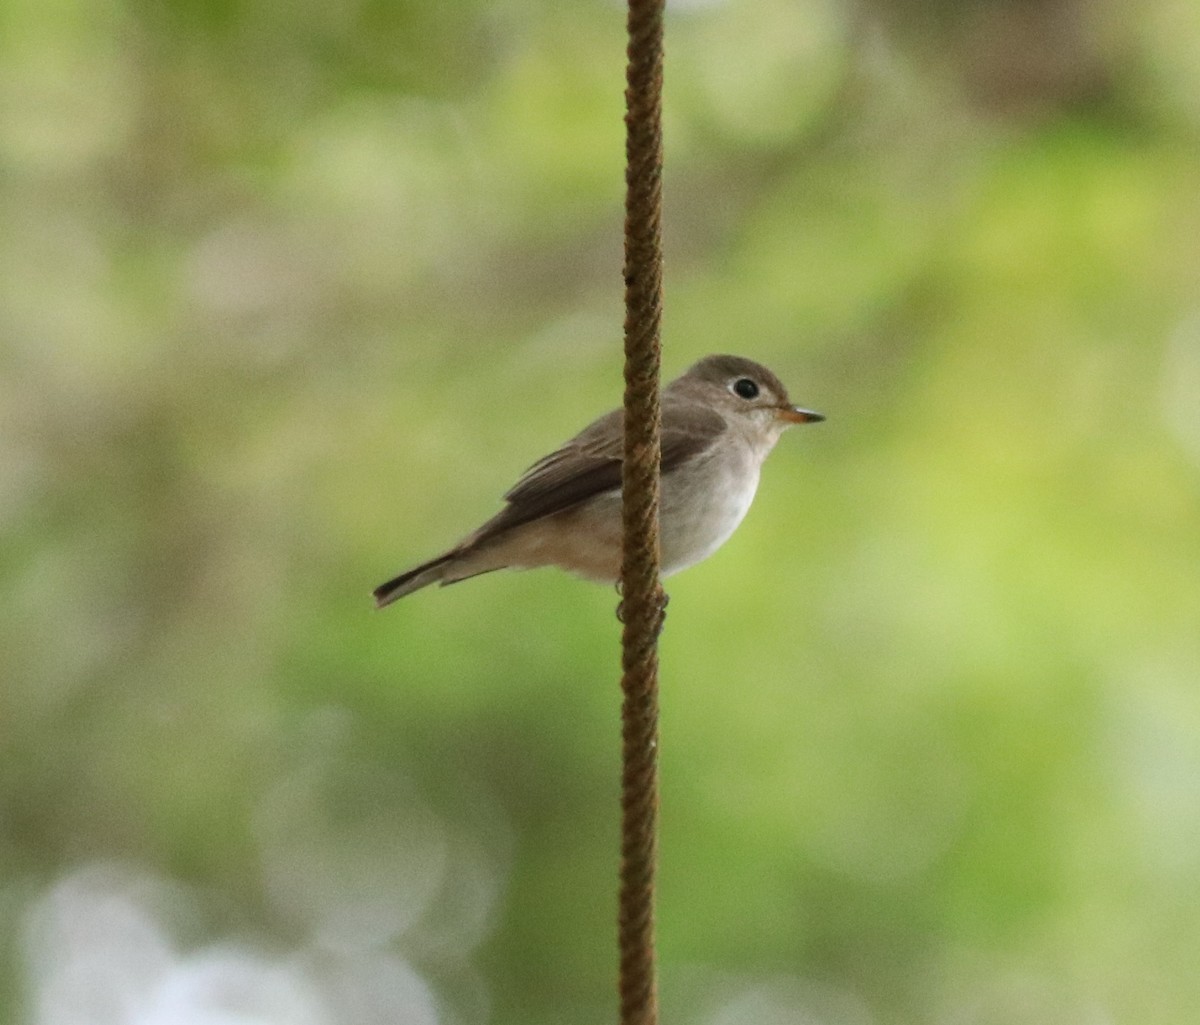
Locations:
(427, 573)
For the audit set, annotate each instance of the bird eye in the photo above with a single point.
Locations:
(745, 388)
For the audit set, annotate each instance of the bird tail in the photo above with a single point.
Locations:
(431, 572)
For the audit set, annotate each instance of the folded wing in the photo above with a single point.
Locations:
(590, 464)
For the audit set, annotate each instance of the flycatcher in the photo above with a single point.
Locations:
(719, 421)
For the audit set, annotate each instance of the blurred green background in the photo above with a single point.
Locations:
(290, 294)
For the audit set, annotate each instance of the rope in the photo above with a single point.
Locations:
(643, 602)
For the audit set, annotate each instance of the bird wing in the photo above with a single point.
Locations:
(590, 463)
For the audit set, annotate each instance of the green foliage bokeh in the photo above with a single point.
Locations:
(292, 293)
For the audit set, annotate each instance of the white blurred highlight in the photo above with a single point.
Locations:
(353, 858)
(96, 951)
(100, 951)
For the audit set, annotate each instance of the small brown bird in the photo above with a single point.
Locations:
(719, 421)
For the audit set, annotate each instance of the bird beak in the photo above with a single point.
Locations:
(796, 415)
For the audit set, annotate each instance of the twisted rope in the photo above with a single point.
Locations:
(643, 601)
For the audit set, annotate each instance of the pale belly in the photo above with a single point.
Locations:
(697, 521)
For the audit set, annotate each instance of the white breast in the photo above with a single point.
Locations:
(702, 505)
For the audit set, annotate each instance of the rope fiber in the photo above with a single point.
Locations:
(643, 602)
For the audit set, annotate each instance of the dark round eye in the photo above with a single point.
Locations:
(745, 388)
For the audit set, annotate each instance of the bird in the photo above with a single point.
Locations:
(720, 420)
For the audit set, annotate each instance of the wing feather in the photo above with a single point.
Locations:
(590, 464)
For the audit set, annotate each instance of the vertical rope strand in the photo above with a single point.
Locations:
(643, 600)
